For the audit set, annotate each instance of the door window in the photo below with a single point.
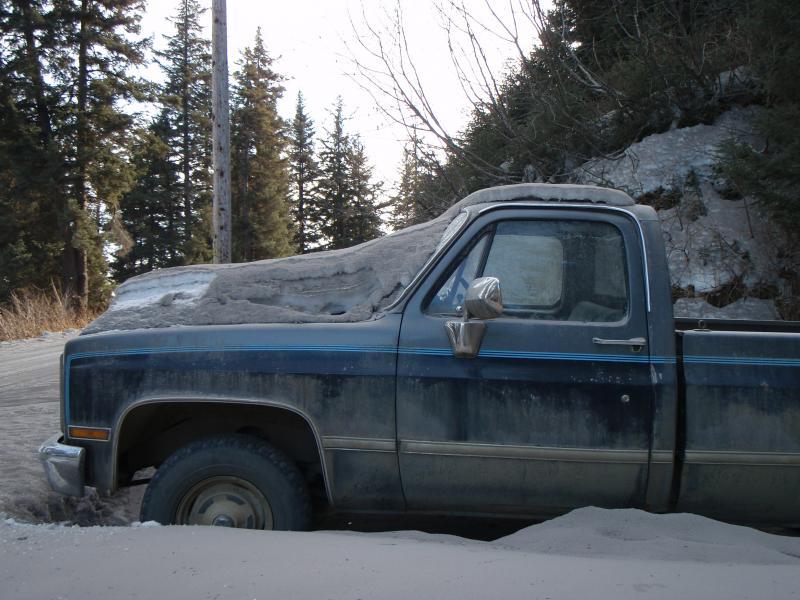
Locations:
(555, 270)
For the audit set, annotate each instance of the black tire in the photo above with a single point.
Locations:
(231, 480)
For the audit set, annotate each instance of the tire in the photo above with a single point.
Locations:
(228, 480)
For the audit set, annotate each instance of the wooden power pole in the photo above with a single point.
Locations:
(221, 136)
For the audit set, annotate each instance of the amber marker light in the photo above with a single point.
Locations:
(89, 433)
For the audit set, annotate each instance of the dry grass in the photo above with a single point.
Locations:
(31, 312)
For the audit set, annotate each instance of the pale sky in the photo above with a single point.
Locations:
(309, 40)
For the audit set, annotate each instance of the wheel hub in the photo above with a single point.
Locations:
(225, 502)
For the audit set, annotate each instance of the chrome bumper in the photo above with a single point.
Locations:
(63, 466)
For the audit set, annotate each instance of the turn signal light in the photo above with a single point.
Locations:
(90, 433)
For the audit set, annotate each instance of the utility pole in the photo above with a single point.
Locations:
(221, 136)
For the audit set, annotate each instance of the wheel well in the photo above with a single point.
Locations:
(152, 432)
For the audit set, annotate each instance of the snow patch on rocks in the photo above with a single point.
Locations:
(714, 244)
(664, 160)
(728, 240)
(745, 308)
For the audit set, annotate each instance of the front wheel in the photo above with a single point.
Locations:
(230, 481)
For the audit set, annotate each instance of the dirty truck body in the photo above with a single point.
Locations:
(584, 391)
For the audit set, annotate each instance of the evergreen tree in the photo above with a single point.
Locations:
(149, 211)
(186, 102)
(350, 213)
(333, 184)
(304, 172)
(418, 197)
(365, 220)
(259, 172)
(68, 84)
(32, 168)
(98, 131)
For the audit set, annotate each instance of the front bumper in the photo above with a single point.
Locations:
(63, 466)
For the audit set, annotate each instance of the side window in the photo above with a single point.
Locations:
(450, 297)
(555, 270)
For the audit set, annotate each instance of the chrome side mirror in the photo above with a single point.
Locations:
(483, 300)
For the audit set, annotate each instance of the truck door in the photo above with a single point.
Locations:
(554, 412)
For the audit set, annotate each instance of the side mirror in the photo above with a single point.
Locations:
(482, 301)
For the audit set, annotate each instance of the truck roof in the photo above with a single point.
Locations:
(548, 192)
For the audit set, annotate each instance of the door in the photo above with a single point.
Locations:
(555, 410)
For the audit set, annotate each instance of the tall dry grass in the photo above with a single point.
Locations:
(31, 312)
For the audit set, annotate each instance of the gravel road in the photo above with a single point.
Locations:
(29, 369)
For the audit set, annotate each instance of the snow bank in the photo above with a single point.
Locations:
(353, 284)
(590, 553)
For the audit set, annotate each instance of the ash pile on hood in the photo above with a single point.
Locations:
(352, 284)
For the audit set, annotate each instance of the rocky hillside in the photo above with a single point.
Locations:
(727, 258)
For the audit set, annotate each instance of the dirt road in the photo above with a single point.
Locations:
(29, 370)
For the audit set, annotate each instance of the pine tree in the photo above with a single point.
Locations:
(333, 184)
(350, 213)
(70, 84)
(32, 167)
(421, 190)
(148, 210)
(365, 220)
(186, 102)
(259, 172)
(304, 172)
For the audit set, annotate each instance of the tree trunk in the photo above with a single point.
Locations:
(76, 266)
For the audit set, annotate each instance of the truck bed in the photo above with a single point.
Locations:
(739, 419)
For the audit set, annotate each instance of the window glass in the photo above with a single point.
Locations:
(528, 263)
(449, 300)
(557, 270)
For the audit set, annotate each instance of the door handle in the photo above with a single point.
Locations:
(635, 344)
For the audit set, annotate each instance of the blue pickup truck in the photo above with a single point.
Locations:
(532, 365)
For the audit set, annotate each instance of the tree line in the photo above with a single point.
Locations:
(601, 76)
(105, 175)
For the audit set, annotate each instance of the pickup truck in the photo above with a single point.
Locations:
(532, 366)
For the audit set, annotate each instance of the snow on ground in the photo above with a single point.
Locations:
(589, 553)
